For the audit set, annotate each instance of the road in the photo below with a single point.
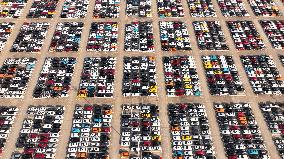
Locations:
(162, 100)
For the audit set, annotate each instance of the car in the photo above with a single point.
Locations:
(281, 58)
(106, 9)
(274, 32)
(67, 37)
(245, 35)
(103, 36)
(138, 8)
(5, 32)
(55, 78)
(97, 78)
(170, 8)
(30, 38)
(174, 36)
(233, 8)
(222, 75)
(181, 78)
(263, 74)
(186, 142)
(236, 121)
(139, 76)
(40, 123)
(74, 9)
(209, 35)
(139, 37)
(201, 8)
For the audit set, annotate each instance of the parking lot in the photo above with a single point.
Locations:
(162, 100)
(90, 133)
(140, 131)
(97, 79)
(66, 37)
(181, 77)
(12, 8)
(209, 35)
(189, 128)
(103, 36)
(274, 31)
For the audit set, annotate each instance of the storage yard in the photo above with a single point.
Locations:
(139, 79)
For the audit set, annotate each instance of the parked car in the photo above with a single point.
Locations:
(12, 8)
(38, 137)
(170, 8)
(15, 74)
(266, 8)
(106, 9)
(72, 9)
(140, 131)
(7, 119)
(42, 9)
(138, 8)
(190, 133)
(90, 132)
(233, 8)
(273, 115)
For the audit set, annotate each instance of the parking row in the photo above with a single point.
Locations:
(190, 132)
(39, 135)
(110, 8)
(239, 131)
(97, 78)
(263, 74)
(139, 36)
(181, 78)
(90, 132)
(140, 130)
(209, 35)
(140, 76)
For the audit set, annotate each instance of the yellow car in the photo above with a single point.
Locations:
(153, 89)
(186, 137)
(146, 115)
(186, 79)
(188, 86)
(217, 72)
(156, 138)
